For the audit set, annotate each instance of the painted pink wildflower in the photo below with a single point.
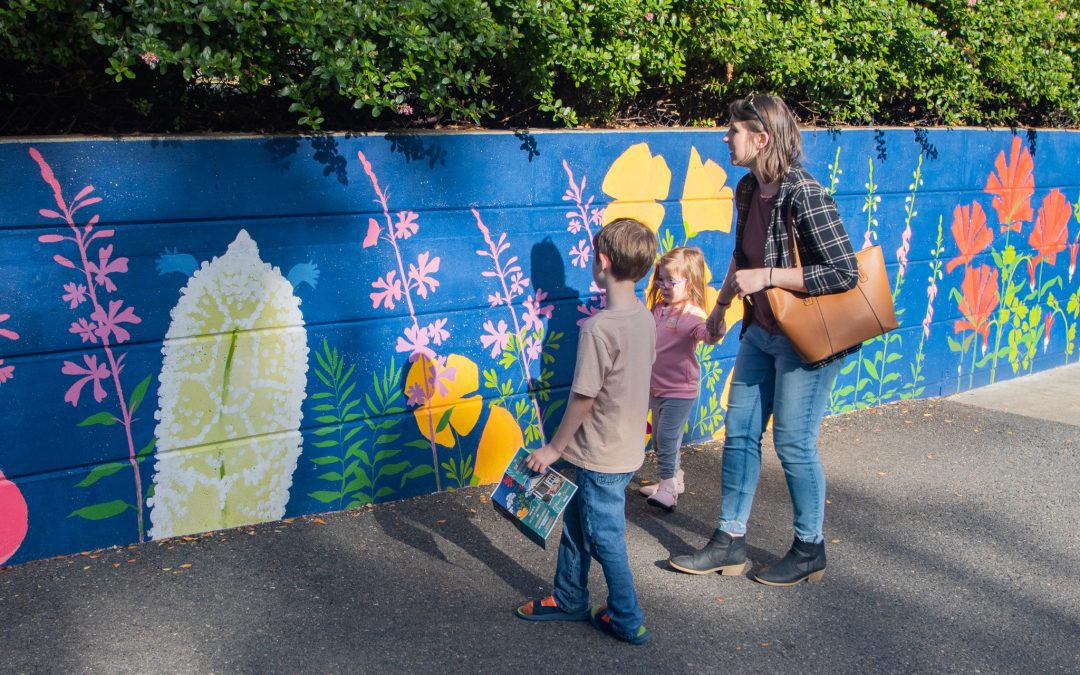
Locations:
(439, 376)
(84, 329)
(585, 214)
(574, 226)
(406, 225)
(931, 293)
(868, 239)
(372, 236)
(110, 322)
(6, 372)
(533, 347)
(518, 282)
(905, 247)
(415, 343)
(4, 332)
(580, 254)
(437, 331)
(93, 372)
(105, 267)
(534, 311)
(496, 337)
(417, 396)
(420, 274)
(496, 299)
(75, 296)
(391, 290)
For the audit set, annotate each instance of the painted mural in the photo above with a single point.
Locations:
(203, 333)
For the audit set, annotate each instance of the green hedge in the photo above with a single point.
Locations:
(175, 65)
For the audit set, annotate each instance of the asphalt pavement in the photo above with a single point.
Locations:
(952, 536)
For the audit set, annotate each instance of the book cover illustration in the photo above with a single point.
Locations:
(532, 501)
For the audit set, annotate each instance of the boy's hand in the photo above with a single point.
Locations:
(540, 460)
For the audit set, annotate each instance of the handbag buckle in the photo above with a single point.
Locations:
(808, 301)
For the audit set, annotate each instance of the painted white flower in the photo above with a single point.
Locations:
(231, 388)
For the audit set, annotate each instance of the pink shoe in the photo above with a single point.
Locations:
(665, 498)
(650, 490)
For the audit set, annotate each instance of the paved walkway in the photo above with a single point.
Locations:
(954, 546)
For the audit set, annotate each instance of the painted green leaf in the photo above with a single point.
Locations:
(393, 469)
(319, 395)
(101, 511)
(329, 459)
(330, 475)
(384, 455)
(103, 418)
(323, 407)
(324, 444)
(386, 438)
(444, 420)
(327, 419)
(361, 481)
(324, 431)
(384, 492)
(325, 496)
(148, 448)
(419, 444)
(137, 395)
(100, 471)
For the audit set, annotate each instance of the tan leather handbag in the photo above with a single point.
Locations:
(820, 326)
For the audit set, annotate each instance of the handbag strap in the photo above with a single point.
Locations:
(790, 222)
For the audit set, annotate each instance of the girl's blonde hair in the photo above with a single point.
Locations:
(689, 263)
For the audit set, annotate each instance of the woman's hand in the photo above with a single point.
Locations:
(750, 281)
(715, 324)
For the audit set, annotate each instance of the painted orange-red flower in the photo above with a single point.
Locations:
(1051, 233)
(970, 232)
(1012, 186)
(979, 300)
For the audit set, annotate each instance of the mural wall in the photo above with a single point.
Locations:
(200, 333)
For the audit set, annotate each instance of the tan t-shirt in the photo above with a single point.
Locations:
(614, 363)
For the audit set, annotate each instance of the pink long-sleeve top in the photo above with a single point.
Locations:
(675, 372)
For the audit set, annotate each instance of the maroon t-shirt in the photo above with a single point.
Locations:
(753, 245)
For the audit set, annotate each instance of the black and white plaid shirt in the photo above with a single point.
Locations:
(828, 260)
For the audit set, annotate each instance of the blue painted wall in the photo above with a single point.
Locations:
(228, 330)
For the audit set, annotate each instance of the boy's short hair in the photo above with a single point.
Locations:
(629, 245)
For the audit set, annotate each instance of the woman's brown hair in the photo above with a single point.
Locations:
(771, 115)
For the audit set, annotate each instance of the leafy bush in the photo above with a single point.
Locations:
(172, 65)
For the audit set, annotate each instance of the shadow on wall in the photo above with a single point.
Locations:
(559, 348)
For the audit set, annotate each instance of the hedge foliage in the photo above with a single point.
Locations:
(178, 65)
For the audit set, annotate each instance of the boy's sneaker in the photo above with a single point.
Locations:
(650, 490)
(546, 609)
(601, 620)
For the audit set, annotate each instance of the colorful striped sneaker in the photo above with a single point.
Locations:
(546, 609)
(601, 620)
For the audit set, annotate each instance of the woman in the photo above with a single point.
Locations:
(769, 377)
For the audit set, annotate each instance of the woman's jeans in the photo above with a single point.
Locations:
(669, 417)
(594, 526)
(770, 378)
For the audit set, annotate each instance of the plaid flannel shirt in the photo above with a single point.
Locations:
(828, 260)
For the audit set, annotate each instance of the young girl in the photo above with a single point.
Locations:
(677, 299)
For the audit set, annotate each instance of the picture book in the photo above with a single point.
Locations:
(532, 501)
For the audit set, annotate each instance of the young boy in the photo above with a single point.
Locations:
(603, 435)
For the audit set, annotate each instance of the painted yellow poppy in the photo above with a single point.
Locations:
(707, 202)
(500, 440)
(446, 387)
(637, 180)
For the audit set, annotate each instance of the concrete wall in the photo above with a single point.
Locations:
(198, 333)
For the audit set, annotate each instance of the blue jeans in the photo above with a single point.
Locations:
(770, 378)
(669, 417)
(594, 526)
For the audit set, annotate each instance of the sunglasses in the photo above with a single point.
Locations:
(749, 103)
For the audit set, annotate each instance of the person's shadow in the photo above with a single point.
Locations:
(559, 349)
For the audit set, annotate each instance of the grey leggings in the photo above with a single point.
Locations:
(669, 418)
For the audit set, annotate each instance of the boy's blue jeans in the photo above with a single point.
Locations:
(770, 378)
(594, 526)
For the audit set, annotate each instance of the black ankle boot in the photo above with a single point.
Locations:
(803, 561)
(724, 554)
